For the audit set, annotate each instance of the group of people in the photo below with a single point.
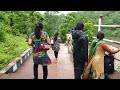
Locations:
(87, 64)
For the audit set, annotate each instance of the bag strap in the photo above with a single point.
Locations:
(94, 48)
(42, 36)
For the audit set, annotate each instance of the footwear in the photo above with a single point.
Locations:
(81, 76)
(35, 78)
(56, 60)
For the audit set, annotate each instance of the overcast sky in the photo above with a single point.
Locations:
(60, 12)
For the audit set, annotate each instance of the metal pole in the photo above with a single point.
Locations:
(112, 26)
(100, 22)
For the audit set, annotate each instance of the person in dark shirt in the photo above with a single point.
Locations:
(80, 49)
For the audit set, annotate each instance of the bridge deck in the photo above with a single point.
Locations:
(61, 70)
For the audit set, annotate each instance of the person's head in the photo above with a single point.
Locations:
(79, 26)
(100, 35)
(56, 35)
(38, 29)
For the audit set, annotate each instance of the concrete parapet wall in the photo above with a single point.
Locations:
(15, 64)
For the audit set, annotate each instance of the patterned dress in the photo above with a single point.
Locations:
(56, 45)
(95, 67)
(40, 55)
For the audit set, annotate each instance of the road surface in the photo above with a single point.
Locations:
(63, 69)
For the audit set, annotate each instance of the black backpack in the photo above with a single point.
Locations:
(109, 64)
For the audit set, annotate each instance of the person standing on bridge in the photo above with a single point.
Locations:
(68, 39)
(95, 67)
(80, 49)
(56, 45)
(40, 42)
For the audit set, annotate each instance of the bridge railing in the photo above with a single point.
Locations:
(15, 64)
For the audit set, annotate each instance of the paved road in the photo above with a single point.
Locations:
(63, 69)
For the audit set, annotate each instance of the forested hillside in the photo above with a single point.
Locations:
(15, 26)
(64, 23)
(109, 18)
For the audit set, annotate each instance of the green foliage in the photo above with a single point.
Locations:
(14, 27)
(118, 68)
(12, 47)
(109, 18)
(115, 35)
(89, 30)
(2, 34)
(5, 60)
(70, 21)
(50, 22)
(20, 22)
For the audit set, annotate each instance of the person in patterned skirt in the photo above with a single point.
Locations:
(40, 41)
(56, 45)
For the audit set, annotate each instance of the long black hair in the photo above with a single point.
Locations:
(100, 36)
(38, 29)
(55, 36)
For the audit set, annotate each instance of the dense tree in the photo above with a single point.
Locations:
(70, 20)
(14, 26)
(50, 22)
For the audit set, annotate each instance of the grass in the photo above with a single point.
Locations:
(11, 48)
(112, 34)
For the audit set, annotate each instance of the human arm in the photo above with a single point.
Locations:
(48, 40)
(59, 39)
(107, 49)
(30, 41)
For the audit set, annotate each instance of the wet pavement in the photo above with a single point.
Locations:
(63, 69)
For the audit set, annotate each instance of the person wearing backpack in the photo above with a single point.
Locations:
(80, 49)
(40, 42)
(56, 45)
(95, 67)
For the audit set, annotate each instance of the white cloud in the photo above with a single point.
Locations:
(60, 12)
(42, 12)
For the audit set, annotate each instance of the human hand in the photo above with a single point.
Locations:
(106, 53)
(47, 47)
